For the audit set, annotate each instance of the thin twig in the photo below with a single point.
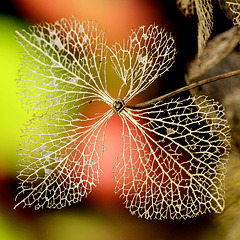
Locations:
(185, 88)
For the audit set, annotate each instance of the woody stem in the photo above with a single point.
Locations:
(183, 89)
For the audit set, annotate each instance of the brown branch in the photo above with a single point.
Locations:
(185, 88)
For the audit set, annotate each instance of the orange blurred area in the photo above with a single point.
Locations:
(117, 17)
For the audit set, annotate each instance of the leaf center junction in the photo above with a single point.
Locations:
(118, 105)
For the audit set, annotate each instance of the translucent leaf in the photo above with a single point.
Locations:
(205, 22)
(175, 152)
(145, 56)
(64, 70)
(186, 6)
(60, 161)
(174, 160)
(66, 59)
(205, 19)
(235, 8)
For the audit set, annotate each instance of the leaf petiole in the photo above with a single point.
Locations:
(183, 89)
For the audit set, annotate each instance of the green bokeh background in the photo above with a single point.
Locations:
(12, 114)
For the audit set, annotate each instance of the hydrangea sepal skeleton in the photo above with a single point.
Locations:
(175, 150)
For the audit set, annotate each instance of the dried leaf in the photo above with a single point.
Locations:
(175, 152)
(65, 60)
(174, 159)
(186, 6)
(205, 22)
(205, 18)
(147, 54)
(235, 8)
(216, 49)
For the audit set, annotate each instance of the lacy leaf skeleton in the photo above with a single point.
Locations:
(175, 149)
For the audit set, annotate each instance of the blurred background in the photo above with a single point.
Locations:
(101, 215)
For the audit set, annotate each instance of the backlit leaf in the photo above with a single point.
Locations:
(174, 152)
(175, 159)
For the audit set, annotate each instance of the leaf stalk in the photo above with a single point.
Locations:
(183, 89)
